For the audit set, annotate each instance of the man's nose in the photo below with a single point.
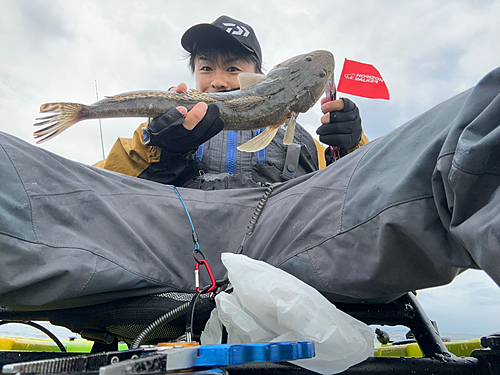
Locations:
(219, 81)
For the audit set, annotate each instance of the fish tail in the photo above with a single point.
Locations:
(259, 142)
(64, 115)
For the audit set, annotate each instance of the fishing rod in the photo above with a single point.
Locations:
(100, 126)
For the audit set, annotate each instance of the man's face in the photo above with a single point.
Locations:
(219, 75)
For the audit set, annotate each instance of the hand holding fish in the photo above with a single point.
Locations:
(341, 123)
(180, 88)
(169, 131)
(195, 115)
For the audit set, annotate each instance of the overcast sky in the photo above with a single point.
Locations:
(426, 51)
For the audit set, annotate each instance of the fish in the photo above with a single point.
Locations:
(265, 101)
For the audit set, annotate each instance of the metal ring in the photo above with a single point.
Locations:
(196, 259)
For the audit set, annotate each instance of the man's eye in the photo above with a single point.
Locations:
(206, 68)
(233, 69)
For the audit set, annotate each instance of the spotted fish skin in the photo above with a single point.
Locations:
(264, 101)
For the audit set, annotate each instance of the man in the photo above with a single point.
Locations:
(408, 211)
(188, 148)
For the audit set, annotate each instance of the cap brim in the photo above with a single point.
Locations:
(206, 33)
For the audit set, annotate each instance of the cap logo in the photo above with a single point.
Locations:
(234, 29)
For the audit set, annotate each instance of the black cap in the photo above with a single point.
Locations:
(225, 29)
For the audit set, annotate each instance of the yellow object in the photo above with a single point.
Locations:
(44, 345)
(461, 348)
(321, 154)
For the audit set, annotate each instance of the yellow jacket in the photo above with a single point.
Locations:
(132, 157)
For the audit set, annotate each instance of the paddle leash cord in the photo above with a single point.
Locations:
(189, 308)
(193, 232)
(256, 215)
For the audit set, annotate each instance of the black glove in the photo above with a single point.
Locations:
(344, 129)
(166, 131)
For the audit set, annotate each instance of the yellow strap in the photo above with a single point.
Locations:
(321, 154)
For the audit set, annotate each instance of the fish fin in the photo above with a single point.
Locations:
(290, 129)
(259, 142)
(190, 96)
(249, 79)
(245, 103)
(65, 115)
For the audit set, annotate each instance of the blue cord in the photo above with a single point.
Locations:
(195, 237)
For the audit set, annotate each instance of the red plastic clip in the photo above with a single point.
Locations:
(335, 152)
(197, 276)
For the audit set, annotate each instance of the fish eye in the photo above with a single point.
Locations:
(309, 58)
(322, 74)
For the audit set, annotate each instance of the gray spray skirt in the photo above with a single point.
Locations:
(410, 210)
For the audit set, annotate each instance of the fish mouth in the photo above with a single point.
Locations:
(229, 90)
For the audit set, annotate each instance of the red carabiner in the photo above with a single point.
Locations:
(197, 276)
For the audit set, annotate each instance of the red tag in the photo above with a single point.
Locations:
(362, 80)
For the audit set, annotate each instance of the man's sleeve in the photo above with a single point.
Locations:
(130, 156)
(322, 160)
(363, 141)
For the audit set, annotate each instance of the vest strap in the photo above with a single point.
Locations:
(291, 161)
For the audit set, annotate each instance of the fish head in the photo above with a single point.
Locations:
(306, 76)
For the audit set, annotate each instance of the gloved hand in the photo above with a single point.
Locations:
(344, 127)
(167, 132)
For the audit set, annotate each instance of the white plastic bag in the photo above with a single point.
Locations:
(269, 305)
